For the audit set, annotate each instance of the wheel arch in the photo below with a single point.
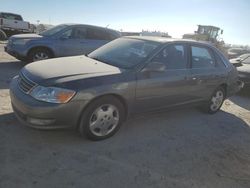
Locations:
(117, 96)
(41, 47)
(224, 86)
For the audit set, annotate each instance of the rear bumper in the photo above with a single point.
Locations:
(14, 53)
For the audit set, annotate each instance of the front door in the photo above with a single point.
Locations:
(165, 80)
(72, 42)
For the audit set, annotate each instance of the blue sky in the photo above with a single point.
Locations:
(173, 16)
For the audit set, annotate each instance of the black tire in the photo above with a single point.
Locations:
(213, 107)
(33, 54)
(3, 36)
(84, 126)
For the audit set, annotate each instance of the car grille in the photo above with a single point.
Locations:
(25, 84)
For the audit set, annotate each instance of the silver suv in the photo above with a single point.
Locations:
(62, 40)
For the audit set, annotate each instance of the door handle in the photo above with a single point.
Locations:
(194, 78)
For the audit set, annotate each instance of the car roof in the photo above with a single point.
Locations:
(92, 26)
(166, 40)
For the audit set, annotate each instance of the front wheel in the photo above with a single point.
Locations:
(39, 54)
(102, 118)
(216, 101)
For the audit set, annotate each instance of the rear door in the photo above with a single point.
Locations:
(169, 84)
(206, 74)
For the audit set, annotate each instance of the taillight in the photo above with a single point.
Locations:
(1, 21)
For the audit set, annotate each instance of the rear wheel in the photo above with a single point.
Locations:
(39, 54)
(102, 118)
(216, 101)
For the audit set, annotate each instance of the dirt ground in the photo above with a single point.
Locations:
(179, 148)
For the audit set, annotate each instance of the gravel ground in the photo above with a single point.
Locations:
(179, 148)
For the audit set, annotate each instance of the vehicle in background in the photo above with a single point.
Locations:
(243, 66)
(209, 34)
(242, 59)
(62, 40)
(11, 24)
(129, 75)
(43, 27)
(236, 52)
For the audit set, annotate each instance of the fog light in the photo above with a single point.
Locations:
(36, 121)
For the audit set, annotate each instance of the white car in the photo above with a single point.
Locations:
(11, 24)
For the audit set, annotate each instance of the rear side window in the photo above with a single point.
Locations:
(98, 34)
(201, 57)
(219, 61)
(11, 16)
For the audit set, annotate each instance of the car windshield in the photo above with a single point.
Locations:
(53, 30)
(244, 56)
(124, 52)
(246, 60)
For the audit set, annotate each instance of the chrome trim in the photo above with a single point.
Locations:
(25, 84)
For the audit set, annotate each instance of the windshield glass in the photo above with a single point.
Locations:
(53, 30)
(244, 56)
(124, 52)
(246, 60)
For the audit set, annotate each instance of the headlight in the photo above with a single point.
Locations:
(20, 41)
(52, 94)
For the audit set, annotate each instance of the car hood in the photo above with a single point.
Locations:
(26, 36)
(64, 69)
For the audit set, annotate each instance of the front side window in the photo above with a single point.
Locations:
(172, 56)
(125, 52)
(68, 34)
(201, 57)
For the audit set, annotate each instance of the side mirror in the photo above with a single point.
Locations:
(155, 67)
(221, 32)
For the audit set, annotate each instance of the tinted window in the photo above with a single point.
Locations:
(219, 61)
(79, 33)
(68, 34)
(173, 56)
(98, 34)
(201, 58)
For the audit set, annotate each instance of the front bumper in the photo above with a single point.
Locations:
(44, 115)
(13, 52)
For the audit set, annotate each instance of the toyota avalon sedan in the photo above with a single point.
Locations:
(130, 75)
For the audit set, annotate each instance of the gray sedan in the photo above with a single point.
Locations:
(62, 40)
(129, 75)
